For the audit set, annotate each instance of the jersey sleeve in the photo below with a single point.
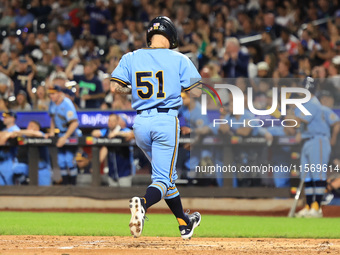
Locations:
(71, 113)
(312, 108)
(103, 132)
(331, 117)
(189, 76)
(122, 73)
(51, 109)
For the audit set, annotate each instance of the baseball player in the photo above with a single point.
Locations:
(316, 150)
(7, 155)
(20, 168)
(155, 77)
(64, 117)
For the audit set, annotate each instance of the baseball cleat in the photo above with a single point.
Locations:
(315, 213)
(188, 230)
(302, 213)
(137, 217)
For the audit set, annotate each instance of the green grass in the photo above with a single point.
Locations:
(100, 224)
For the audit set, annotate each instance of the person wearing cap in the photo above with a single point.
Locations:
(20, 167)
(119, 159)
(90, 88)
(7, 155)
(9, 41)
(262, 69)
(19, 71)
(64, 117)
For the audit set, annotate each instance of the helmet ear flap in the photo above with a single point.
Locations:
(164, 26)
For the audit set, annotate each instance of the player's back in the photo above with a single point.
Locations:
(316, 122)
(157, 76)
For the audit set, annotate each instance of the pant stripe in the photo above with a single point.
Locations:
(320, 142)
(161, 187)
(169, 195)
(175, 150)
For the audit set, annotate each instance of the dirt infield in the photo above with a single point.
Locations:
(74, 245)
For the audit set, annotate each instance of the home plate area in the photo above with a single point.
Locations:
(63, 245)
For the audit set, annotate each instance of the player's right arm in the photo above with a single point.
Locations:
(121, 76)
(119, 88)
(190, 78)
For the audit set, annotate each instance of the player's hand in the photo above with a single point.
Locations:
(113, 134)
(269, 138)
(333, 141)
(185, 130)
(48, 135)
(15, 134)
(85, 97)
(226, 57)
(61, 141)
(298, 138)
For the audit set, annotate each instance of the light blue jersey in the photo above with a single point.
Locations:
(315, 133)
(316, 123)
(6, 161)
(63, 114)
(157, 77)
(331, 118)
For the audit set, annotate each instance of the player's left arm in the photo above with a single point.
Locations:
(196, 92)
(119, 88)
(335, 132)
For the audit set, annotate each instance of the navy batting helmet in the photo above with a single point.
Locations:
(309, 84)
(164, 26)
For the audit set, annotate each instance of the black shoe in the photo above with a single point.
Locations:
(188, 230)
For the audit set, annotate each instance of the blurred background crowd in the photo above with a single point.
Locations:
(48, 39)
(77, 44)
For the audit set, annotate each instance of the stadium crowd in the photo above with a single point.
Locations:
(77, 44)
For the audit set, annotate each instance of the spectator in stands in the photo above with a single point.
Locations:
(100, 16)
(4, 62)
(57, 58)
(20, 167)
(3, 106)
(21, 102)
(5, 86)
(235, 61)
(7, 154)
(30, 45)
(8, 17)
(24, 18)
(44, 67)
(267, 45)
(41, 11)
(64, 117)
(119, 159)
(108, 100)
(9, 42)
(64, 37)
(19, 72)
(90, 88)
